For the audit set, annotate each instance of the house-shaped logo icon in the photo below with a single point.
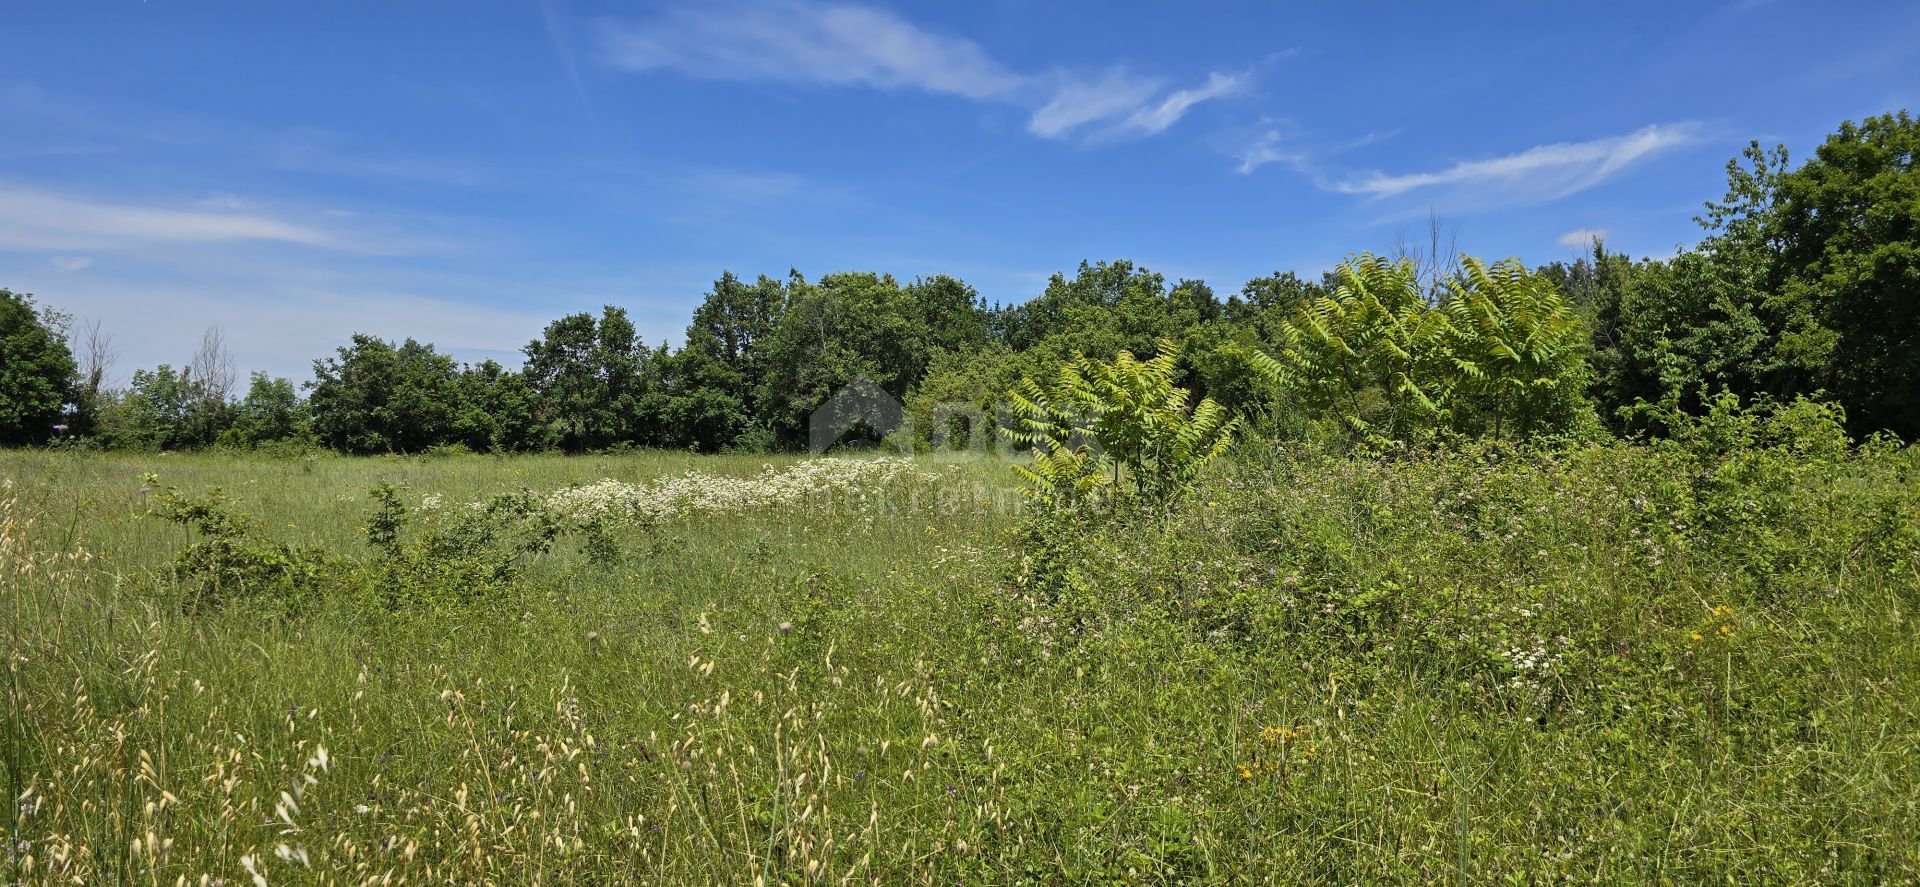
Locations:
(859, 402)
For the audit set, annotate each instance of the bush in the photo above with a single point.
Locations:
(233, 560)
(434, 556)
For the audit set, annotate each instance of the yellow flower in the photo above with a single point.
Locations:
(1281, 734)
(1246, 772)
(1696, 636)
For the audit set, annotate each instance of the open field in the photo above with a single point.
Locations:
(1617, 663)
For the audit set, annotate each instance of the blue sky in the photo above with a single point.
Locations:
(464, 172)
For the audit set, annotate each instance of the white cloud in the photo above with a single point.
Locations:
(1582, 237)
(71, 263)
(1157, 118)
(799, 42)
(34, 219)
(1076, 103)
(39, 220)
(1540, 173)
(827, 44)
(1265, 150)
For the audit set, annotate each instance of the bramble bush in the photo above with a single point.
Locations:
(435, 555)
(230, 558)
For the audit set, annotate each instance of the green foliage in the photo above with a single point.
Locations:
(1804, 285)
(1518, 351)
(375, 397)
(155, 412)
(706, 394)
(1367, 353)
(434, 556)
(230, 559)
(958, 405)
(1502, 350)
(1119, 428)
(1848, 225)
(498, 411)
(844, 327)
(270, 413)
(36, 371)
(591, 378)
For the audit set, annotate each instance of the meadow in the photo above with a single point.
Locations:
(1600, 662)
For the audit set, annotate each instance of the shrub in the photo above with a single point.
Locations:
(233, 559)
(1121, 428)
(1501, 354)
(434, 556)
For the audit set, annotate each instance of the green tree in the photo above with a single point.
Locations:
(498, 411)
(1845, 227)
(1089, 301)
(1690, 324)
(156, 412)
(36, 372)
(846, 326)
(590, 376)
(951, 313)
(1518, 348)
(1368, 353)
(960, 401)
(1116, 428)
(271, 412)
(705, 399)
(1599, 286)
(732, 325)
(375, 397)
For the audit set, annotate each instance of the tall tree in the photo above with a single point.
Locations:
(36, 371)
(590, 375)
(846, 326)
(271, 412)
(1069, 305)
(498, 411)
(705, 398)
(951, 313)
(375, 397)
(211, 376)
(1846, 226)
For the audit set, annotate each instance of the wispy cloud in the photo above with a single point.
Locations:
(1157, 118)
(71, 264)
(825, 44)
(1076, 102)
(804, 43)
(34, 219)
(1266, 149)
(1544, 172)
(1582, 237)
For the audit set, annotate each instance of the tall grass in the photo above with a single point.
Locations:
(1465, 668)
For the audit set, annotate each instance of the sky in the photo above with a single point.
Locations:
(465, 172)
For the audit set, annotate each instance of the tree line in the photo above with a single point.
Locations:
(1806, 283)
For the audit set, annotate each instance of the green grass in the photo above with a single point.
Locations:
(938, 692)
